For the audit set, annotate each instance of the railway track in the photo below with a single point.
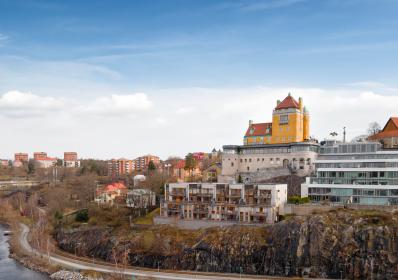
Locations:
(71, 261)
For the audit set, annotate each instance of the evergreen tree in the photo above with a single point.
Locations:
(190, 162)
(151, 166)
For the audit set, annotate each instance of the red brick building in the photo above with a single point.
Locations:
(39, 156)
(141, 163)
(70, 156)
(117, 167)
(22, 157)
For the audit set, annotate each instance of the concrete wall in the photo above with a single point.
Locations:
(260, 165)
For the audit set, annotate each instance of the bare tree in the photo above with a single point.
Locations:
(373, 128)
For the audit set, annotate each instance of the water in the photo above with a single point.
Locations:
(11, 269)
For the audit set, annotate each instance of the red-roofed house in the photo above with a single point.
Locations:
(389, 135)
(111, 193)
(290, 124)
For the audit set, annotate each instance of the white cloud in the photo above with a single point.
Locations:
(184, 110)
(25, 104)
(3, 37)
(119, 105)
(367, 84)
(153, 123)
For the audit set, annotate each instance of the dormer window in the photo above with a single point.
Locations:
(284, 119)
(251, 130)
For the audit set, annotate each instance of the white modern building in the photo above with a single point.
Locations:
(256, 203)
(358, 173)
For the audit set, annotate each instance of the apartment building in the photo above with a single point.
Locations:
(39, 155)
(141, 163)
(261, 203)
(43, 161)
(71, 160)
(122, 166)
(22, 157)
(354, 173)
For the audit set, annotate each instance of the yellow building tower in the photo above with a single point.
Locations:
(290, 123)
(306, 131)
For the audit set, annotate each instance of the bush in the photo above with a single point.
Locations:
(295, 199)
(82, 216)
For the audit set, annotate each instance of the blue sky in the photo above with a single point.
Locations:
(83, 53)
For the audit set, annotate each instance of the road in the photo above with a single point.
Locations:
(74, 264)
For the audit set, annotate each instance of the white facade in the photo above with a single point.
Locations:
(261, 203)
(71, 163)
(254, 162)
(46, 163)
(354, 173)
(141, 198)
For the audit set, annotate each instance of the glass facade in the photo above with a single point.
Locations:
(365, 174)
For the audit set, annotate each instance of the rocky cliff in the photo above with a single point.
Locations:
(345, 243)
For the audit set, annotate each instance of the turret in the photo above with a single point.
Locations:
(306, 124)
(301, 104)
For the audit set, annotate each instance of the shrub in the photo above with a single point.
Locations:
(295, 199)
(82, 216)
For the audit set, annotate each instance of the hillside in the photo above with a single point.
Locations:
(347, 243)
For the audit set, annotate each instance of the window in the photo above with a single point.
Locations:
(241, 160)
(250, 160)
(284, 119)
(248, 168)
(232, 164)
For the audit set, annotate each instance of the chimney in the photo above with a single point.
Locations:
(278, 102)
(250, 122)
(344, 133)
(301, 103)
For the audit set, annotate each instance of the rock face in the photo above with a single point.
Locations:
(344, 243)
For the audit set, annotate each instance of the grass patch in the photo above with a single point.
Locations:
(147, 219)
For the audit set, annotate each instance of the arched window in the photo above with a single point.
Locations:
(285, 163)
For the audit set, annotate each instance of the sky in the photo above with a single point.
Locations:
(114, 79)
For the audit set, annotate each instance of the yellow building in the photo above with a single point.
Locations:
(290, 123)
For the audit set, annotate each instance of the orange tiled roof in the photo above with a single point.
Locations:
(385, 134)
(259, 129)
(114, 187)
(394, 121)
(288, 102)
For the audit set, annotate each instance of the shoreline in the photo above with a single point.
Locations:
(29, 262)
